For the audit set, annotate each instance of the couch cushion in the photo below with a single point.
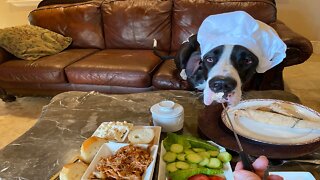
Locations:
(49, 69)
(52, 89)
(32, 42)
(188, 15)
(132, 24)
(167, 77)
(129, 68)
(5, 55)
(80, 21)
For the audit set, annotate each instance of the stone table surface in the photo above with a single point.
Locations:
(71, 117)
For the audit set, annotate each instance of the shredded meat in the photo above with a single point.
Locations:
(129, 162)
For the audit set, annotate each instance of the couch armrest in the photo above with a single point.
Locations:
(4, 55)
(167, 77)
(299, 48)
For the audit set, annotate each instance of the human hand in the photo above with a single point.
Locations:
(259, 165)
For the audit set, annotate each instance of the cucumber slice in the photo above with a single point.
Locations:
(204, 154)
(171, 167)
(193, 165)
(194, 158)
(214, 163)
(225, 157)
(182, 165)
(189, 151)
(176, 148)
(181, 157)
(213, 153)
(198, 149)
(169, 156)
(204, 162)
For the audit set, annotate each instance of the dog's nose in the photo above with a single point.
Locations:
(222, 84)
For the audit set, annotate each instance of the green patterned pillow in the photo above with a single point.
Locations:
(32, 42)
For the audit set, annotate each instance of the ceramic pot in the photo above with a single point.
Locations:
(169, 115)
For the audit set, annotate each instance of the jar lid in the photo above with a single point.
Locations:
(167, 109)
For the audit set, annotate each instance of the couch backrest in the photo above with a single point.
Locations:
(132, 24)
(81, 21)
(188, 14)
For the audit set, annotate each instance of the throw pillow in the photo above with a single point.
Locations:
(32, 42)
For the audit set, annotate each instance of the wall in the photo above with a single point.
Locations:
(302, 16)
(11, 15)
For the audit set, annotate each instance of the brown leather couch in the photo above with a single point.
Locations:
(112, 46)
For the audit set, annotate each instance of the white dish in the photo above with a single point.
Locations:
(294, 175)
(107, 128)
(99, 132)
(227, 171)
(272, 134)
(157, 132)
(110, 148)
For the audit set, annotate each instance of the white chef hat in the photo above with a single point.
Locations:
(239, 28)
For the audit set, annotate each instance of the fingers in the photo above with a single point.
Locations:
(245, 175)
(239, 166)
(275, 177)
(260, 165)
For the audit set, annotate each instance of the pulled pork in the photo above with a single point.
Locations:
(129, 162)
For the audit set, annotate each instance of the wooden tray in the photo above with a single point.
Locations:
(211, 126)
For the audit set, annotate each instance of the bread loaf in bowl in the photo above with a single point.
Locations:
(141, 136)
(90, 147)
(73, 171)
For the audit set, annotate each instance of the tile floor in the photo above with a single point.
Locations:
(304, 81)
(17, 117)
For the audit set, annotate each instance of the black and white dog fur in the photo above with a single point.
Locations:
(222, 70)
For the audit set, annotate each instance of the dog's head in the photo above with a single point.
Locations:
(225, 68)
(226, 62)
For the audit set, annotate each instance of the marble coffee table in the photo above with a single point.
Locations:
(71, 117)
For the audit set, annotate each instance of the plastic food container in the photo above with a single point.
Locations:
(169, 115)
(109, 149)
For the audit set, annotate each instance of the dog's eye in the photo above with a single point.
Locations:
(247, 61)
(210, 59)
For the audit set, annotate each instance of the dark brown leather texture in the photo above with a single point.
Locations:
(80, 21)
(167, 77)
(134, 24)
(4, 55)
(187, 15)
(49, 69)
(299, 48)
(50, 89)
(112, 49)
(131, 68)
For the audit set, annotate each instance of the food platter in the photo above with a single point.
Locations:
(227, 170)
(210, 126)
(269, 133)
(109, 149)
(113, 142)
(293, 175)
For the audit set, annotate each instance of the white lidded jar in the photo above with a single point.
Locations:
(169, 115)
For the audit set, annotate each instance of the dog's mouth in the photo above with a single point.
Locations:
(232, 98)
(224, 97)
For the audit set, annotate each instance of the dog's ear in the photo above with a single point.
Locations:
(193, 63)
(195, 71)
(185, 51)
